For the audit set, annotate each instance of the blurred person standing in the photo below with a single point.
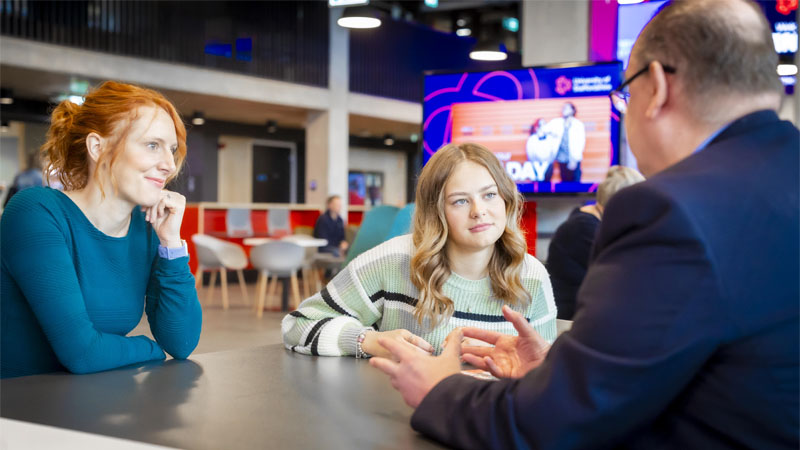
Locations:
(571, 246)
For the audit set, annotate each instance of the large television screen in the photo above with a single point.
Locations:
(553, 128)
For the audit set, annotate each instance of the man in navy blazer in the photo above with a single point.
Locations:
(686, 334)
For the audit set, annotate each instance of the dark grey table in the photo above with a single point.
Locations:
(264, 397)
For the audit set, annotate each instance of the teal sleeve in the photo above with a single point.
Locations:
(172, 308)
(36, 255)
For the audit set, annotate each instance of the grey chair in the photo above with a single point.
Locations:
(219, 256)
(280, 259)
(238, 223)
(278, 222)
(310, 280)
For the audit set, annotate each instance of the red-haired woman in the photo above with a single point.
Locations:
(78, 267)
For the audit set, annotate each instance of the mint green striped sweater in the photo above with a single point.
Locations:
(375, 290)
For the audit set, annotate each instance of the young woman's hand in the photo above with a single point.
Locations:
(402, 336)
(166, 217)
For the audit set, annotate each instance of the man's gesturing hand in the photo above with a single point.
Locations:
(415, 373)
(511, 356)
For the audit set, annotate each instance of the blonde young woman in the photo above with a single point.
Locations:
(465, 259)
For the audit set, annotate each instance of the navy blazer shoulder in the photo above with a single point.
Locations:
(686, 333)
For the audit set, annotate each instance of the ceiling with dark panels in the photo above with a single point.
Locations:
(47, 86)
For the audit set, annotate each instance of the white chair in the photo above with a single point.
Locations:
(280, 259)
(310, 279)
(219, 256)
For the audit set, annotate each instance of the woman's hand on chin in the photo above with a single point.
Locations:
(166, 216)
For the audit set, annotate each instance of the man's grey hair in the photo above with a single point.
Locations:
(719, 48)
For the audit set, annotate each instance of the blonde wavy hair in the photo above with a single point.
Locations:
(430, 267)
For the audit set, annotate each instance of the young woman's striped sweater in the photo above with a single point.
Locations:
(375, 290)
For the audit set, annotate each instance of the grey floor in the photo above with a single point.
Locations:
(238, 327)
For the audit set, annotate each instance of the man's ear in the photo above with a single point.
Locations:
(94, 145)
(660, 90)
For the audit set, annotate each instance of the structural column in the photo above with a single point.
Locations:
(553, 32)
(327, 132)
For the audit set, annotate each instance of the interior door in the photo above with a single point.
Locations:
(272, 174)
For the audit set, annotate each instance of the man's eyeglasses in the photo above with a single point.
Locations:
(620, 95)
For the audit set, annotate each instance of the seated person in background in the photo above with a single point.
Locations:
(30, 177)
(465, 259)
(79, 266)
(330, 227)
(568, 254)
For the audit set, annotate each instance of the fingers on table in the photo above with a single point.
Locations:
(399, 350)
(419, 342)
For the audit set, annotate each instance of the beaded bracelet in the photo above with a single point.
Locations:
(360, 353)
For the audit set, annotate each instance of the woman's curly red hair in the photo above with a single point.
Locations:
(109, 110)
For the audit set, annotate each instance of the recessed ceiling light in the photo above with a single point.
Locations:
(198, 118)
(787, 69)
(359, 17)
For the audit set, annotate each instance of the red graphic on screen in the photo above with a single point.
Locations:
(563, 85)
(785, 6)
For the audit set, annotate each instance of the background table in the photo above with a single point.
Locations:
(313, 242)
(264, 397)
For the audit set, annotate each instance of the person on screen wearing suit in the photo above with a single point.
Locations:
(570, 134)
(686, 333)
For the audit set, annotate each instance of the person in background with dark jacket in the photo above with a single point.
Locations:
(330, 227)
(568, 254)
(30, 177)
